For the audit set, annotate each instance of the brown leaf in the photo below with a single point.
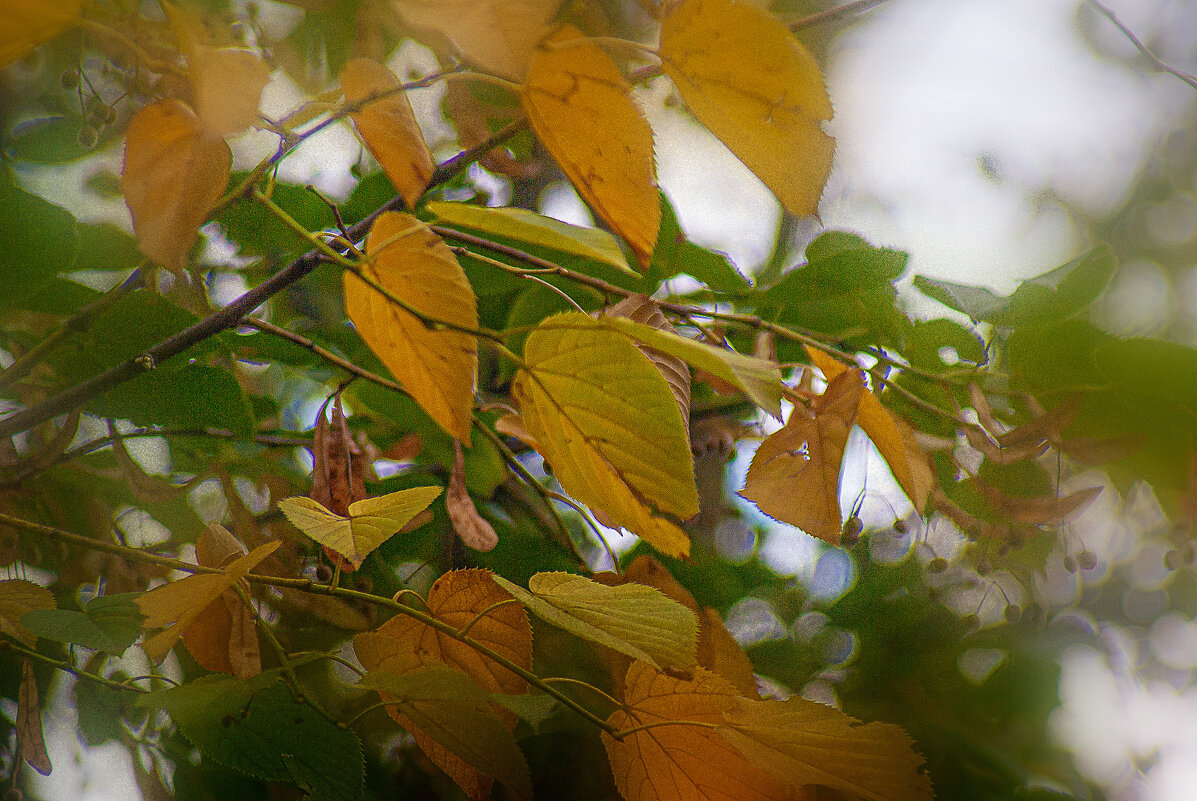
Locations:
(719, 653)
(177, 605)
(175, 170)
(892, 436)
(1043, 510)
(228, 84)
(388, 127)
(17, 597)
(679, 762)
(31, 741)
(1096, 451)
(1044, 426)
(794, 475)
(403, 644)
(223, 637)
(643, 309)
(995, 453)
(581, 108)
(469, 525)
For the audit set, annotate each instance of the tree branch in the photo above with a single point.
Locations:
(1159, 64)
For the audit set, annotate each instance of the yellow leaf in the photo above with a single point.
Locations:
(757, 378)
(746, 78)
(645, 311)
(31, 739)
(227, 82)
(388, 127)
(228, 85)
(581, 108)
(469, 525)
(631, 618)
(17, 597)
(371, 522)
(178, 604)
(496, 35)
(28, 23)
(607, 422)
(891, 434)
(679, 762)
(403, 645)
(174, 173)
(437, 367)
(805, 742)
(795, 473)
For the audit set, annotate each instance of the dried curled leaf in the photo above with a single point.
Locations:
(795, 473)
(581, 108)
(388, 127)
(223, 637)
(175, 171)
(31, 739)
(758, 89)
(607, 422)
(893, 437)
(469, 525)
(437, 367)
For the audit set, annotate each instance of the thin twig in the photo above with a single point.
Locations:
(1157, 62)
(834, 14)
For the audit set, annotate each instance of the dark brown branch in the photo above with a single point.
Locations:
(228, 317)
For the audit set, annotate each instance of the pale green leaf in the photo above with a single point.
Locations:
(630, 618)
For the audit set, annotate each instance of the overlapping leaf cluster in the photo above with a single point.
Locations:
(507, 391)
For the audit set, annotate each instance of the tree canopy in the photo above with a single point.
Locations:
(311, 496)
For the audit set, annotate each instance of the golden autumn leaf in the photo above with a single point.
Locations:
(680, 762)
(795, 473)
(228, 84)
(608, 424)
(388, 127)
(581, 108)
(893, 437)
(633, 619)
(753, 85)
(175, 170)
(403, 644)
(496, 35)
(176, 605)
(804, 742)
(18, 596)
(437, 367)
(28, 23)
(31, 739)
(469, 525)
(370, 523)
(223, 637)
(717, 651)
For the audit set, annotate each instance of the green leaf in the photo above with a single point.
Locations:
(259, 729)
(257, 232)
(101, 710)
(1056, 295)
(630, 618)
(532, 708)
(103, 246)
(530, 231)
(192, 396)
(39, 241)
(676, 254)
(845, 290)
(447, 705)
(108, 623)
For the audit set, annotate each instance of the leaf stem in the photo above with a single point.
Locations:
(619, 735)
(67, 667)
(587, 685)
(464, 630)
